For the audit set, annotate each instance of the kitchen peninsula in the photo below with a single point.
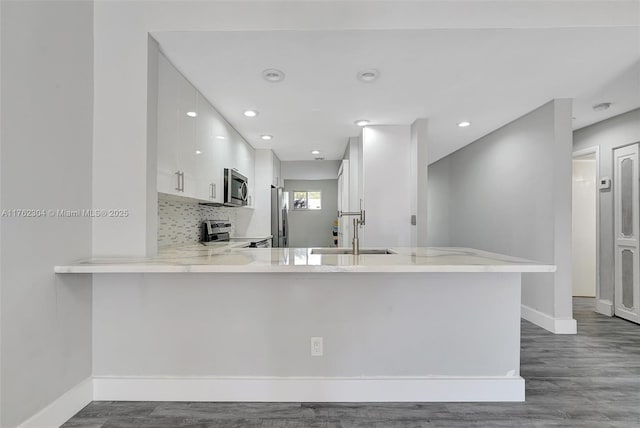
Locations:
(288, 324)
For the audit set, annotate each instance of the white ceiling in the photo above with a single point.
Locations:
(486, 76)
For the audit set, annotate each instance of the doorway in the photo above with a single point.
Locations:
(585, 224)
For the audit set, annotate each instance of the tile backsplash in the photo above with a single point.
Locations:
(180, 221)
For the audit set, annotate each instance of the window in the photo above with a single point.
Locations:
(309, 200)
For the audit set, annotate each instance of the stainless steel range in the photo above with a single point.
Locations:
(215, 231)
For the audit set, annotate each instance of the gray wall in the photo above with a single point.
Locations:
(312, 228)
(309, 170)
(46, 163)
(510, 192)
(438, 204)
(607, 135)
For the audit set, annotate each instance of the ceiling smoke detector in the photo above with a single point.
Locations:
(368, 76)
(602, 106)
(319, 158)
(272, 75)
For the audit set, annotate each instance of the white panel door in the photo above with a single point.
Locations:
(627, 222)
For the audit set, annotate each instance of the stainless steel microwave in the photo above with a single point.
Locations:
(236, 188)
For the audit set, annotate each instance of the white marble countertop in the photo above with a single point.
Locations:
(226, 258)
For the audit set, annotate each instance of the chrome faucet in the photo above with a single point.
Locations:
(356, 223)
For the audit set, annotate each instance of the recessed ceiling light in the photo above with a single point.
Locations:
(198, 152)
(266, 137)
(272, 75)
(362, 122)
(368, 76)
(602, 106)
(250, 113)
(192, 114)
(315, 152)
(219, 137)
(464, 124)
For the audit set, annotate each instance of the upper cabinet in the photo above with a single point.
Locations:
(207, 154)
(169, 179)
(195, 143)
(268, 170)
(187, 116)
(276, 179)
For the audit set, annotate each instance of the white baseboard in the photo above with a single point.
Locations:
(604, 307)
(554, 325)
(63, 408)
(278, 389)
(309, 389)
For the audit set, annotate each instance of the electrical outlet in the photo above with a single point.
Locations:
(317, 347)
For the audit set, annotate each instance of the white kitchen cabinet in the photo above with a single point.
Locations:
(218, 146)
(187, 107)
(195, 143)
(176, 131)
(387, 197)
(276, 179)
(245, 164)
(207, 184)
(268, 169)
(168, 147)
(344, 223)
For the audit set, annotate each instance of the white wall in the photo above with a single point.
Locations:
(510, 192)
(607, 135)
(310, 170)
(312, 228)
(583, 212)
(47, 101)
(386, 161)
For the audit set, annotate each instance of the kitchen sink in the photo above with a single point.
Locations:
(350, 251)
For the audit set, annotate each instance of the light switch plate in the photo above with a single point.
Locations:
(604, 183)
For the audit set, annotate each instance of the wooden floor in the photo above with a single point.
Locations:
(591, 379)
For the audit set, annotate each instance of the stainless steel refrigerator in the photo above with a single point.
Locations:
(279, 221)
